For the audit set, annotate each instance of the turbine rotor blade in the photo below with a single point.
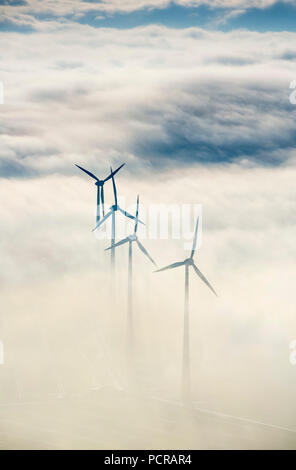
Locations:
(143, 249)
(102, 220)
(113, 173)
(88, 172)
(204, 279)
(103, 199)
(114, 187)
(171, 266)
(98, 204)
(194, 239)
(130, 216)
(137, 217)
(122, 242)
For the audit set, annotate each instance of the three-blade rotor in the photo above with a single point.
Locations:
(100, 184)
(115, 208)
(133, 238)
(189, 262)
(112, 174)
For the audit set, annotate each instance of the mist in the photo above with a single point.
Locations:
(63, 322)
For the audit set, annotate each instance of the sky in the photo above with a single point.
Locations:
(196, 98)
(75, 71)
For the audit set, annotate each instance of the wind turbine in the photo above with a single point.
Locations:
(100, 189)
(113, 209)
(130, 240)
(186, 348)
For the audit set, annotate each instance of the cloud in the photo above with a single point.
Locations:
(201, 117)
(60, 7)
(60, 274)
(49, 9)
(153, 95)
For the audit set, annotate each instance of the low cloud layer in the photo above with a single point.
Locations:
(64, 317)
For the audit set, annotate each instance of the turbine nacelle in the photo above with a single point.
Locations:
(189, 262)
(133, 237)
(100, 189)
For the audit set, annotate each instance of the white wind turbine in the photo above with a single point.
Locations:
(189, 262)
(113, 209)
(130, 320)
(100, 188)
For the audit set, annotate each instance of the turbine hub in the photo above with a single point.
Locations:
(132, 238)
(99, 183)
(189, 261)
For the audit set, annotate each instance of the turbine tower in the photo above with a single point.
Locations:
(130, 321)
(100, 189)
(113, 209)
(186, 343)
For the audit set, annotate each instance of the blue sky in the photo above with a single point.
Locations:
(278, 17)
(274, 16)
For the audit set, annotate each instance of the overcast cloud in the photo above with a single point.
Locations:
(153, 95)
(199, 116)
